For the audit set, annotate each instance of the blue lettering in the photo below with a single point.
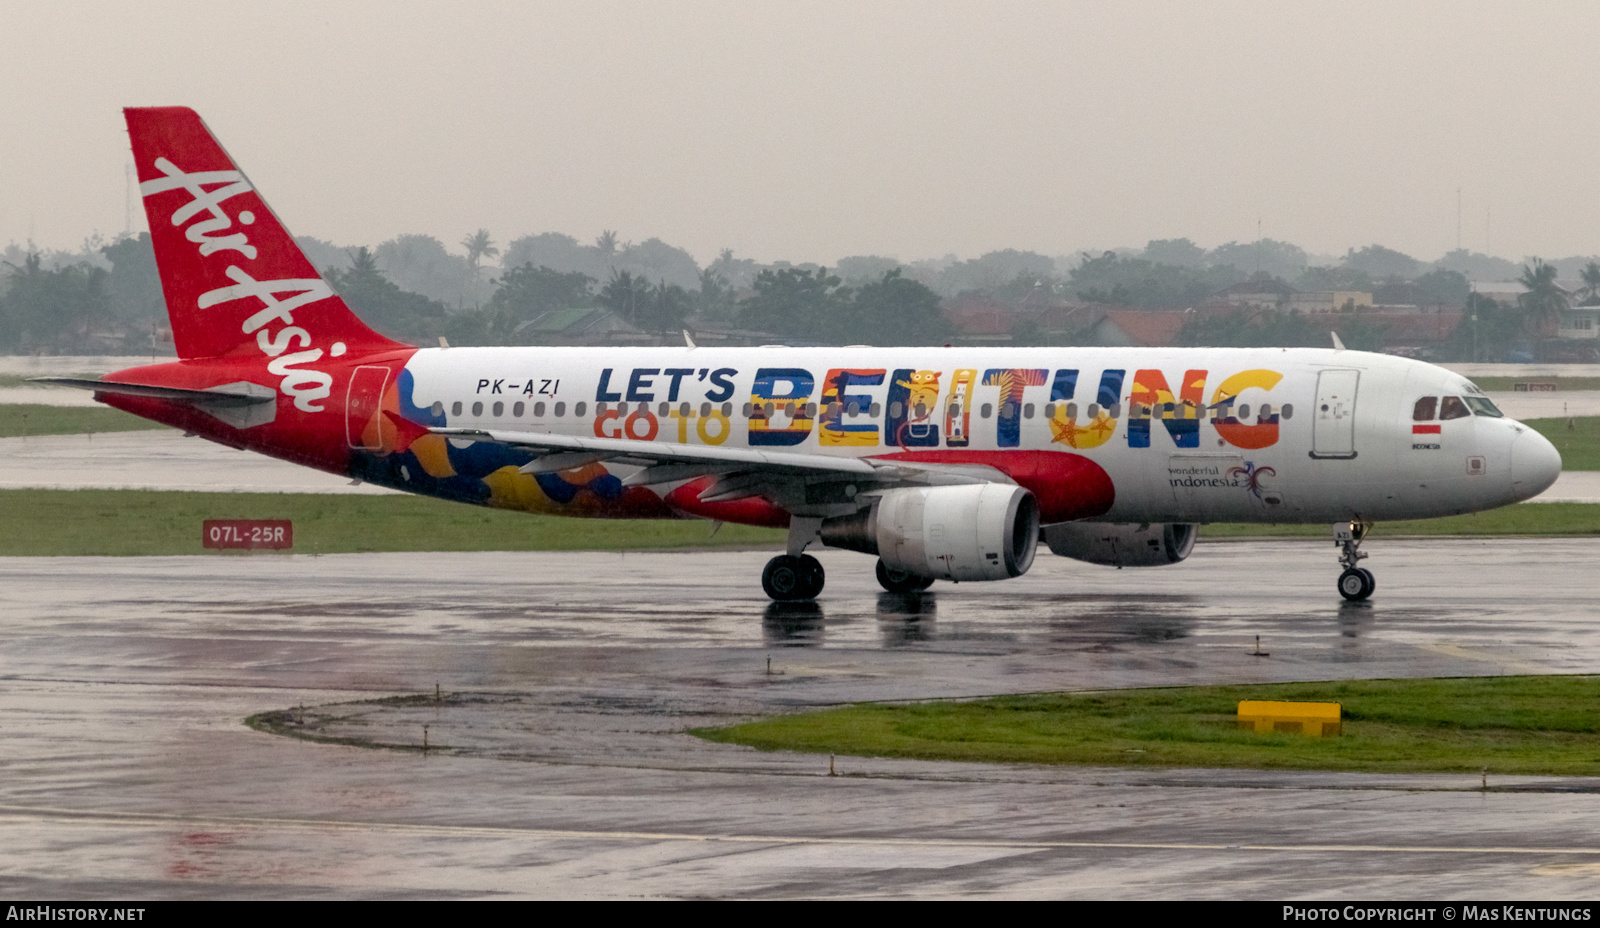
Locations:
(640, 382)
(601, 394)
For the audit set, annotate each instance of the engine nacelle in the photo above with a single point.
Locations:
(1122, 545)
(984, 531)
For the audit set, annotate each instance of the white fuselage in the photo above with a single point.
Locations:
(1194, 435)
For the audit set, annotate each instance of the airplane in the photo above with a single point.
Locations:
(945, 463)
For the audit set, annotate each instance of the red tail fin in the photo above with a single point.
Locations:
(231, 273)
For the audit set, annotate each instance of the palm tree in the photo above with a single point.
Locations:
(606, 241)
(627, 296)
(1591, 282)
(479, 246)
(1545, 301)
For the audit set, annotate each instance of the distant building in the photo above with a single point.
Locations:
(581, 326)
(1580, 322)
(1504, 291)
(980, 320)
(1312, 302)
(1138, 328)
(1252, 294)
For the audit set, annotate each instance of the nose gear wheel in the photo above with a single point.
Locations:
(1356, 583)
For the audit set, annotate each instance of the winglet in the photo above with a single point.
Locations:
(689, 341)
(1337, 345)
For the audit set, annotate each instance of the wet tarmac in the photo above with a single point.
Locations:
(127, 770)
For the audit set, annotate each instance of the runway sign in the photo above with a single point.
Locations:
(247, 533)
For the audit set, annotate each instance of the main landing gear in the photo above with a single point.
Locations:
(898, 581)
(1356, 583)
(792, 577)
(789, 577)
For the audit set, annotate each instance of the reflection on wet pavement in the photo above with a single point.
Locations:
(569, 682)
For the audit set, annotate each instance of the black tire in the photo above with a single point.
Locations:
(899, 581)
(1355, 585)
(785, 579)
(815, 577)
(1372, 582)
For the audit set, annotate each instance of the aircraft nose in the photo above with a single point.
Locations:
(1535, 465)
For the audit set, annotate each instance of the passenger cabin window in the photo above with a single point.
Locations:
(538, 410)
(1288, 411)
(477, 409)
(561, 410)
(499, 409)
(438, 408)
(986, 410)
(455, 408)
(875, 411)
(517, 410)
(1425, 410)
(1451, 407)
(727, 410)
(579, 409)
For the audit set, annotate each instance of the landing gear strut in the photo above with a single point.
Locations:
(898, 581)
(1356, 583)
(790, 577)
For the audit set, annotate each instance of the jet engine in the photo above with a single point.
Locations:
(1122, 545)
(984, 531)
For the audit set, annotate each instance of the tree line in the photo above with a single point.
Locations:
(413, 288)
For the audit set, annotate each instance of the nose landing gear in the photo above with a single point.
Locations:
(1356, 583)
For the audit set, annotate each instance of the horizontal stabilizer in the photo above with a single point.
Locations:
(228, 395)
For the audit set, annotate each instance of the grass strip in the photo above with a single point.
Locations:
(151, 522)
(19, 419)
(1509, 384)
(1509, 725)
(1579, 445)
(1556, 519)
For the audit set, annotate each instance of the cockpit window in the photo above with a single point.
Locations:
(1481, 406)
(1453, 408)
(1426, 409)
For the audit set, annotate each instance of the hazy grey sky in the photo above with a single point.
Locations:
(814, 130)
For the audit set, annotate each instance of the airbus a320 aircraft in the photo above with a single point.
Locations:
(945, 463)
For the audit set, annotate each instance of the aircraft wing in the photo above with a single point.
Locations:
(742, 471)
